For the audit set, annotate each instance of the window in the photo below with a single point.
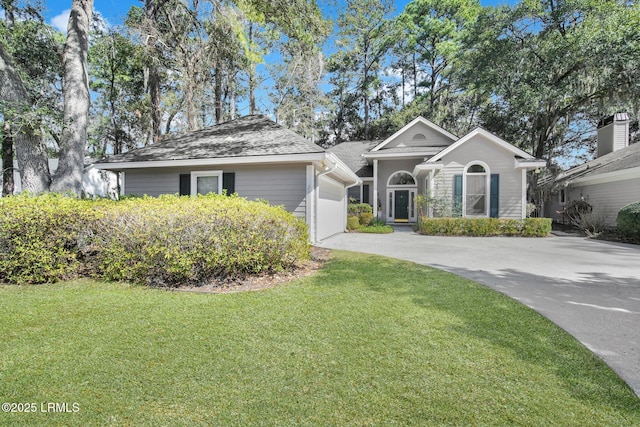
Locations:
(476, 191)
(562, 196)
(205, 182)
(401, 178)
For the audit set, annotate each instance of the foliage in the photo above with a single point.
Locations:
(376, 229)
(370, 338)
(353, 222)
(529, 227)
(168, 241)
(628, 220)
(356, 209)
(440, 206)
(42, 239)
(576, 210)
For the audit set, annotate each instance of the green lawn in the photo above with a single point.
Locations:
(367, 341)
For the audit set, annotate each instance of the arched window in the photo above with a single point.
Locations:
(401, 178)
(476, 185)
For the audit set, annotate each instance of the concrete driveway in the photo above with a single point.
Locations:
(589, 288)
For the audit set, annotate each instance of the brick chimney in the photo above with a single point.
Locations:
(613, 133)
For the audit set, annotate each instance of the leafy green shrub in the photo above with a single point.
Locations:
(529, 227)
(172, 240)
(365, 218)
(628, 220)
(356, 209)
(353, 222)
(165, 241)
(377, 222)
(43, 239)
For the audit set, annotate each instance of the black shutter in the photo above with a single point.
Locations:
(185, 184)
(229, 182)
(457, 195)
(494, 209)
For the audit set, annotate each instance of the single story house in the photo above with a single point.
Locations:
(251, 156)
(607, 183)
(478, 175)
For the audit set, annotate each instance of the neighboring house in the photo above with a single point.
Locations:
(251, 156)
(478, 175)
(607, 183)
(95, 182)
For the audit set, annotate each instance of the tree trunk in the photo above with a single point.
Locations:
(75, 89)
(153, 80)
(29, 145)
(7, 161)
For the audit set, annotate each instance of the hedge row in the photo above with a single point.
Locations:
(166, 241)
(528, 227)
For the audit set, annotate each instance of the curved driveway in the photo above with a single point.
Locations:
(589, 288)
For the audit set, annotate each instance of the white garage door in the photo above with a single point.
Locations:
(332, 212)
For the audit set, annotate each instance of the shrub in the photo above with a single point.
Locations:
(356, 209)
(529, 227)
(353, 222)
(365, 218)
(575, 209)
(172, 240)
(43, 239)
(166, 241)
(628, 220)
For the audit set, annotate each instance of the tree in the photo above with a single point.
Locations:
(68, 177)
(363, 41)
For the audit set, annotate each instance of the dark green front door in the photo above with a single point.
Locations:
(401, 206)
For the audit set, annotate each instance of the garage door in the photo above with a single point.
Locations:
(332, 212)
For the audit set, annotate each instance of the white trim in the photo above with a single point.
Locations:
(488, 135)
(375, 189)
(530, 165)
(411, 213)
(399, 156)
(415, 182)
(426, 167)
(487, 188)
(280, 158)
(523, 214)
(310, 202)
(196, 174)
(620, 175)
(418, 119)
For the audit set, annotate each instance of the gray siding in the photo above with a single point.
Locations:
(412, 138)
(279, 184)
(499, 161)
(607, 198)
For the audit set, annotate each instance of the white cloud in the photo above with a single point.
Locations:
(60, 21)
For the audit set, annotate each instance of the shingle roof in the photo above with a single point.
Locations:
(351, 152)
(626, 158)
(254, 135)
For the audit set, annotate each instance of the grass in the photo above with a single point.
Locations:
(376, 229)
(366, 341)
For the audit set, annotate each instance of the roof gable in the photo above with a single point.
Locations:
(487, 136)
(247, 136)
(420, 132)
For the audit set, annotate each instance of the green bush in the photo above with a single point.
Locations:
(365, 218)
(628, 220)
(529, 227)
(356, 209)
(353, 222)
(43, 239)
(166, 241)
(170, 241)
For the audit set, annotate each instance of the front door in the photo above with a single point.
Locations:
(401, 206)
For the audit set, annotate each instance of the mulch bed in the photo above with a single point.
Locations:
(263, 281)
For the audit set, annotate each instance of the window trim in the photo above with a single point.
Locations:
(415, 182)
(197, 174)
(487, 195)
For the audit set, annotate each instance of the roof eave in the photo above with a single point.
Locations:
(216, 161)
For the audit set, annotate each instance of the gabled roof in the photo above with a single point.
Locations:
(247, 136)
(418, 119)
(526, 157)
(351, 153)
(616, 161)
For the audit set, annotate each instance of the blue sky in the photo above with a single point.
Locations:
(57, 11)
